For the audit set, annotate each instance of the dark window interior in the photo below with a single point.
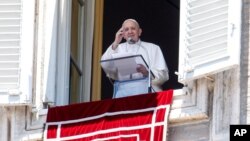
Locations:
(159, 20)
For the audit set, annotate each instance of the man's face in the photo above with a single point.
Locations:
(132, 30)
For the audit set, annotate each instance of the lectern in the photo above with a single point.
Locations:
(127, 81)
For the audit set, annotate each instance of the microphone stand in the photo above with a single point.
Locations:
(149, 79)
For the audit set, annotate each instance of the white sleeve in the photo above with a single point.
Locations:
(161, 76)
(159, 67)
(108, 53)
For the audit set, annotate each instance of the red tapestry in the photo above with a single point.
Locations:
(135, 118)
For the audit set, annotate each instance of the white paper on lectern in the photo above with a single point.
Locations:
(125, 66)
(122, 54)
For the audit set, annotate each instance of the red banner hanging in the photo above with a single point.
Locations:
(135, 118)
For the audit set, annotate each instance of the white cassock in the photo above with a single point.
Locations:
(153, 56)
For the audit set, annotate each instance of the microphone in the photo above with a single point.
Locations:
(130, 40)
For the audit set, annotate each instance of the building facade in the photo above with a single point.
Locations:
(50, 51)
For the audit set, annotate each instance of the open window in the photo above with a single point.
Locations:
(16, 51)
(76, 52)
(159, 20)
(65, 39)
(82, 27)
(198, 38)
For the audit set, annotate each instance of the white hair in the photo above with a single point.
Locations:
(132, 20)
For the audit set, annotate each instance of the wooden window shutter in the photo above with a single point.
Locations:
(209, 37)
(16, 37)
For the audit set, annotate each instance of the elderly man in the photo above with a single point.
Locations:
(152, 54)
